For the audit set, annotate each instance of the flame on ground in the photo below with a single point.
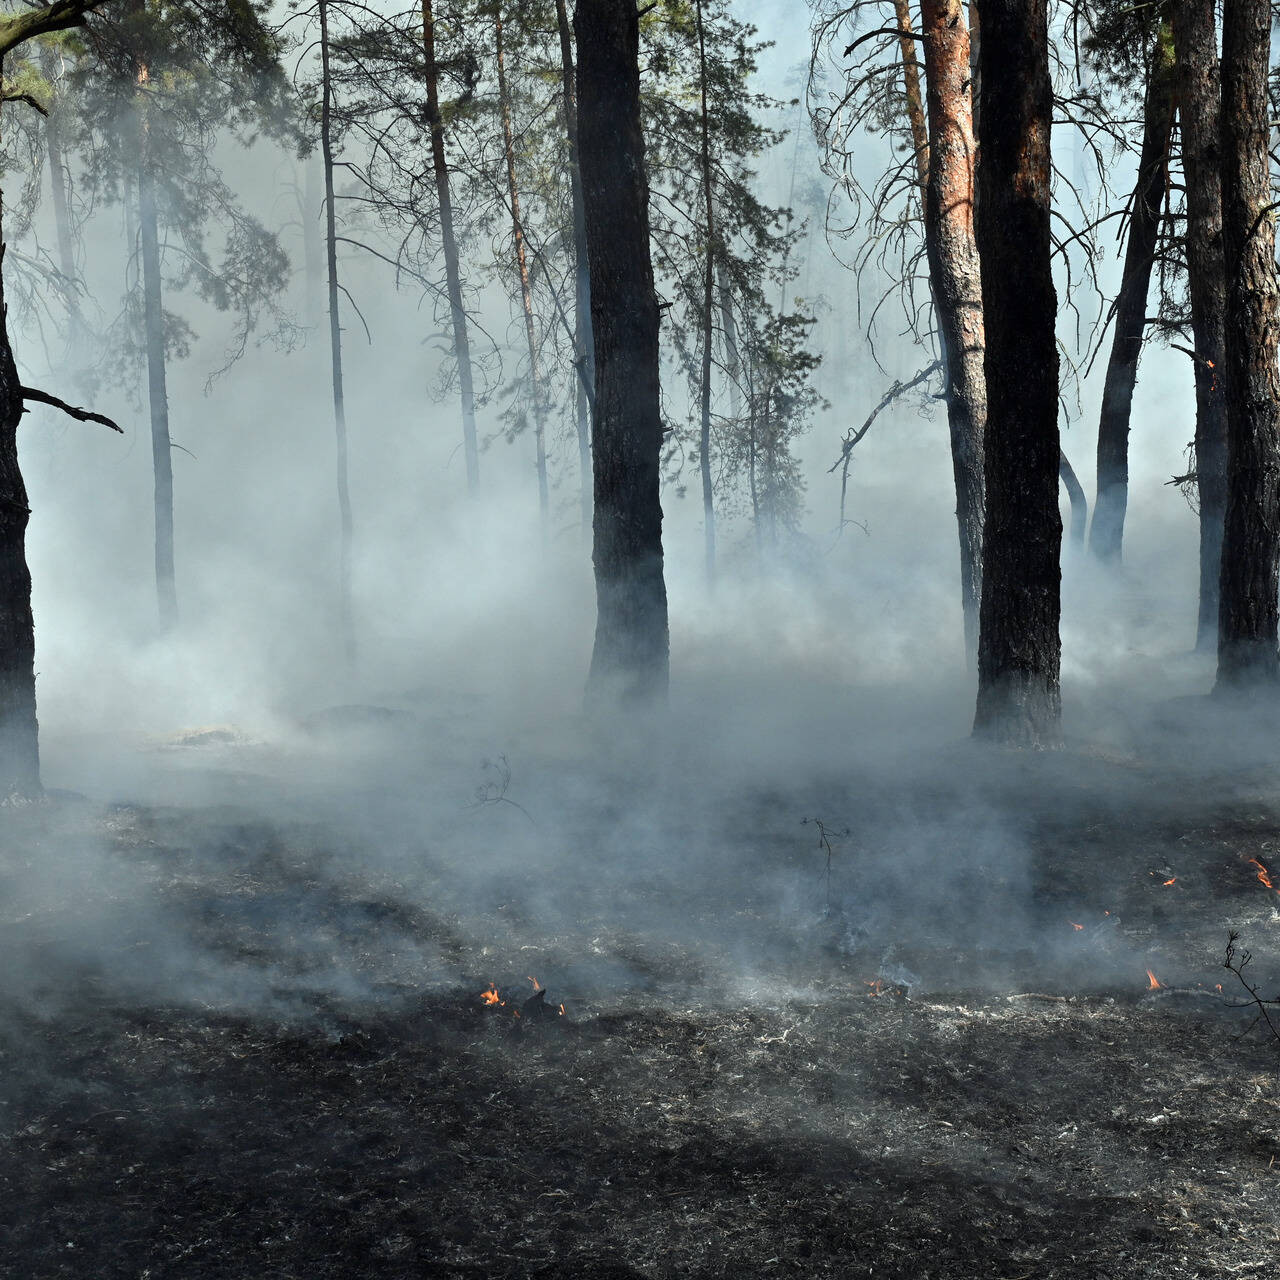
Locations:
(1076, 927)
(1171, 880)
(1263, 874)
(537, 986)
(491, 996)
(1153, 983)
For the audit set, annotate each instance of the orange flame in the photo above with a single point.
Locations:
(491, 996)
(1171, 880)
(1153, 983)
(1076, 927)
(876, 985)
(562, 1011)
(1263, 874)
(537, 986)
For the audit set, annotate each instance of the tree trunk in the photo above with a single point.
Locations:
(1107, 533)
(631, 656)
(19, 731)
(584, 355)
(1247, 654)
(1019, 650)
(522, 269)
(346, 618)
(916, 119)
(58, 177)
(453, 275)
(1200, 109)
(313, 242)
(153, 337)
(708, 307)
(1079, 503)
(955, 279)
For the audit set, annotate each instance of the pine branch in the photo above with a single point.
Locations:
(80, 415)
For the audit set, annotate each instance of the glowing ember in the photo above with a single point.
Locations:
(876, 985)
(1263, 874)
(1153, 983)
(491, 996)
(1076, 927)
(536, 985)
(562, 1011)
(1171, 880)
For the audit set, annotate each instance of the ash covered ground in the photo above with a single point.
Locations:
(244, 1031)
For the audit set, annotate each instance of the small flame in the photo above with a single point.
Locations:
(562, 1011)
(1076, 927)
(1171, 880)
(536, 985)
(1263, 874)
(876, 985)
(491, 996)
(1153, 983)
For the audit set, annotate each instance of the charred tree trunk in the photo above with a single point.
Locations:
(1079, 503)
(955, 279)
(522, 270)
(583, 354)
(346, 619)
(1247, 654)
(631, 656)
(708, 307)
(449, 245)
(19, 732)
(154, 341)
(1107, 534)
(1200, 109)
(1019, 650)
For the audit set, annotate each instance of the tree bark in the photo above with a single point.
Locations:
(955, 279)
(346, 618)
(1107, 534)
(631, 655)
(449, 244)
(522, 270)
(708, 307)
(1200, 109)
(1019, 650)
(914, 99)
(1079, 503)
(584, 355)
(1247, 640)
(153, 338)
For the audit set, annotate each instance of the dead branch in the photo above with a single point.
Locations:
(80, 415)
(1255, 1001)
(24, 97)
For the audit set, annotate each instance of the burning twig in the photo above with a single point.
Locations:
(1237, 966)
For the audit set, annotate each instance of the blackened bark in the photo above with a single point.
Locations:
(631, 655)
(583, 354)
(1107, 534)
(346, 619)
(955, 279)
(1079, 503)
(1247, 654)
(449, 245)
(1019, 651)
(19, 732)
(154, 342)
(1200, 110)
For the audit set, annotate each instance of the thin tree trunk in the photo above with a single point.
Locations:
(453, 275)
(58, 177)
(956, 281)
(346, 618)
(1079, 503)
(916, 119)
(19, 731)
(583, 353)
(1019, 650)
(708, 308)
(522, 268)
(153, 337)
(631, 655)
(313, 242)
(1107, 534)
(1200, 108)
(1247, 634)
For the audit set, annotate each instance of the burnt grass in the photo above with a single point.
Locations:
(1012, 1113)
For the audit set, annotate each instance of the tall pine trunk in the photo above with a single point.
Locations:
(1019, 650)
(1199, 96)
(154, 342)
(1247, 654)
(346, 619)
(19, 731)
(449, 244)
(583, 354)
(631, 655)
(708, 308)
(1107, 534)
(522, 270)
(956, 280)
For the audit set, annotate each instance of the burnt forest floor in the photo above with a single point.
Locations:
(249, 1040)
